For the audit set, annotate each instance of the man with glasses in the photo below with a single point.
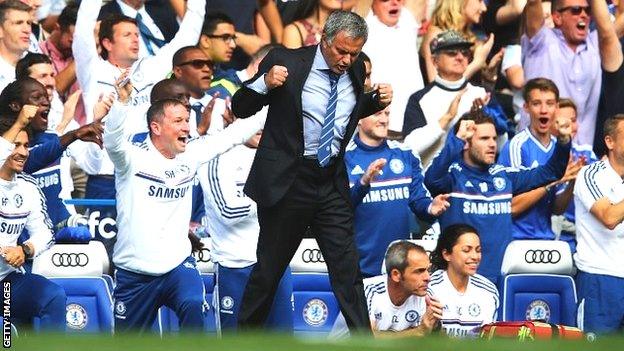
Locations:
(298, 178)
(568, 55)
(431, 112)
(218, 39)
(194, 69)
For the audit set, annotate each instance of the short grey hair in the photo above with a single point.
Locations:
(351, 23)
(396, 255)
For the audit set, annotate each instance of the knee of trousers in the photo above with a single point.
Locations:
(55, 297)
(192, 303)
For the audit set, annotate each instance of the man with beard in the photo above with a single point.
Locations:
(481, 190)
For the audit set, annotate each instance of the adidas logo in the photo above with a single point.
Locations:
(468, 184)
(357, 170)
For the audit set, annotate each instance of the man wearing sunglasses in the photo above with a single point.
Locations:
(433, 110)
(568, 55)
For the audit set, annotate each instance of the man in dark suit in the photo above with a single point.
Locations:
(298, 178)
(159, 24)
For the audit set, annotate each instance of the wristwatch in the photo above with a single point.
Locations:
(27, 250)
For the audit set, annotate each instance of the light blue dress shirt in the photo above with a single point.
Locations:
(314, 98)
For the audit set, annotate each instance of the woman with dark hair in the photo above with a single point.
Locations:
(470, 300)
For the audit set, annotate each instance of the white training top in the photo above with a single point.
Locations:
(97, 76)
(598, 250)
(231, 215)
(384, 315)
(154, 192)
(463, 314)
(22, 207)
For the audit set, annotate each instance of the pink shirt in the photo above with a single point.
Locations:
(59, 63)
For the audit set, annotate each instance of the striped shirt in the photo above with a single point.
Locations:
(599, 249)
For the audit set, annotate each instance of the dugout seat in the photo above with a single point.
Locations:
(79, 270)
(315, 307)
(537, 282)
(167, 321)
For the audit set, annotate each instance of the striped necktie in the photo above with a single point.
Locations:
(147, 36)
(327, 132)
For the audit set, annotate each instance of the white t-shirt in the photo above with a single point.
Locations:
(599, 249)
(464, 313)
(384, 315)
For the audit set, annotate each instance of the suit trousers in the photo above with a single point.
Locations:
(312, 201)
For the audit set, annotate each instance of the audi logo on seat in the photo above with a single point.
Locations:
(312, 256)
(72, 259)
(542, 256)
(203, 255)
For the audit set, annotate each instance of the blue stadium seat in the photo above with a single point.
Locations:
(89, 304)
(538, 283)
(316, 308)
(79, 269)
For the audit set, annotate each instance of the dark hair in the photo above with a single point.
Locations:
(610, 125)
(177, 57)
(212, 20)
(16, 5)
(542, 84)
(365, 57)
(565, 102)
(6, 124)
(447, 239)
(478, 116)
(107, 26)
(160, 89)
(12, 93)
(396, 255)
(22, 68)
(68, 16)
(156, 111)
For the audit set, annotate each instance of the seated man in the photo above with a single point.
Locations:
(22, 207)
(398, 304)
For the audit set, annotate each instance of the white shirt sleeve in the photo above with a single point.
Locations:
(38, 223)
(115, 140)
(84, 43)
(511, 58)
(6, 148)
(159, 65)
(587, 188)
(421, 139)
(207, 147)
(88, 156)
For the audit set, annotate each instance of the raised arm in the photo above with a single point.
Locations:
(268, 11)
(611, 55)
(115, 140)
(85, 48)
(159, 65)
(534, 17)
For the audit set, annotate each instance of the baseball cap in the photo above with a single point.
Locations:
(449, 39)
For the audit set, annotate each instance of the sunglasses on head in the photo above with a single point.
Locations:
(576, 10)
(197, 64)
